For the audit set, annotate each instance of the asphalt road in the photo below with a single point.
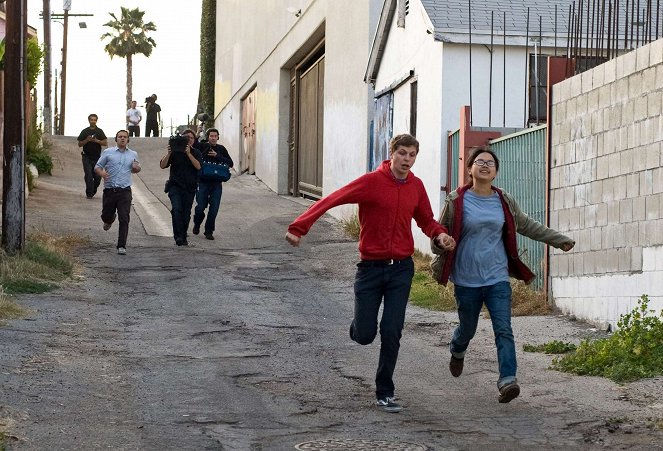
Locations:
(242, 344)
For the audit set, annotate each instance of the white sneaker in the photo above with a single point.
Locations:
(121, 251)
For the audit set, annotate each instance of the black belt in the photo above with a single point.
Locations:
(384, 262)
(117, 190)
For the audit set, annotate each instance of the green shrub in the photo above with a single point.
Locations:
(36, 148)
(634, 351)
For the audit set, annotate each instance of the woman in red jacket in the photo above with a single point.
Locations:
(389, 198)
(483, 220)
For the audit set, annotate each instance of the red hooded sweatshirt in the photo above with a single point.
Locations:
(386, 209)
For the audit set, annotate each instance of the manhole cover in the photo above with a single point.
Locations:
(363, 445)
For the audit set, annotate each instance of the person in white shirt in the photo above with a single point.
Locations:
(133, 120)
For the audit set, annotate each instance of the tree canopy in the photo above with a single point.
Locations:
(127, 38)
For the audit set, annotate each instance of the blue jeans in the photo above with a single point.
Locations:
(373, 284)
(209, 193)
(498, 302)
(181, 201)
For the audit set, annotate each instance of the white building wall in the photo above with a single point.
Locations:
(456, 86)
(257, 44)
(607, 186)
(413, 48)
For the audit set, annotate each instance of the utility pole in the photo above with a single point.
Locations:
(48, 116)
(56, 115)
(63, 75)
(13, 193)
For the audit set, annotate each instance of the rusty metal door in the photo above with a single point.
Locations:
(248, 154)
(310, 128)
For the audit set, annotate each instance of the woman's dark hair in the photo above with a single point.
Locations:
(475, 152)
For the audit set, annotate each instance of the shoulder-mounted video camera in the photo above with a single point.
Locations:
(178, 142)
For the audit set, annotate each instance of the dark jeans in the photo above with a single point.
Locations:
(209, 193)
(181, 201)
(372, 285)
(117, 199)
(92, 180)
(151, 126)
(134, 130)
(498, 302)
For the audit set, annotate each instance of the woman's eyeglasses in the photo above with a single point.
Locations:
(488, 164)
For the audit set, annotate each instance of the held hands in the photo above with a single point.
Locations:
(211, 153)
(445, 242)
(292, 239)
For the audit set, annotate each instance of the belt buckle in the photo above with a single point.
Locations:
(390, 262)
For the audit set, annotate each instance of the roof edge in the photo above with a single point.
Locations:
(380, 40)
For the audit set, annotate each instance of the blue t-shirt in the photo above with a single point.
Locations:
(118, 165)
(481, 256)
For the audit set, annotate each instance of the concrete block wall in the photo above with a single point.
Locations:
(607, 186)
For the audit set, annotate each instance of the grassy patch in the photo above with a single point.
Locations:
(552, 347)
(45, 261)
(633, 352)
(527, 302)
(8, 308)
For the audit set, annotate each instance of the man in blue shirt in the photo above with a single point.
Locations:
(115, 166)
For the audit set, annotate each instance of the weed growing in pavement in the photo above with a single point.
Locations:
(552, 347)
(351, 226)
(9, 309)
(633, 352)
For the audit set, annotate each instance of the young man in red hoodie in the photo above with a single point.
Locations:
(389, 198)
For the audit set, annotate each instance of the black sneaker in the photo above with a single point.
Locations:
(388, 404)
(209, 236)
(196, 229)
(509, 392)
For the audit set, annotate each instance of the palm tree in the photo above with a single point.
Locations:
(128, 38)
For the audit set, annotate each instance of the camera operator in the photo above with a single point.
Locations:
(184, 162)
(152, 116)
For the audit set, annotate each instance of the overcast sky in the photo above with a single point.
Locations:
(97, 84)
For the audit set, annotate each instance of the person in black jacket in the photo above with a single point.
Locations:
(209, 192)
(181, 186)
(91, 139)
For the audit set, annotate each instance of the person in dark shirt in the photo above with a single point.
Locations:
(181, 185)
(152, 116)
(209, 192)
(91, 139)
